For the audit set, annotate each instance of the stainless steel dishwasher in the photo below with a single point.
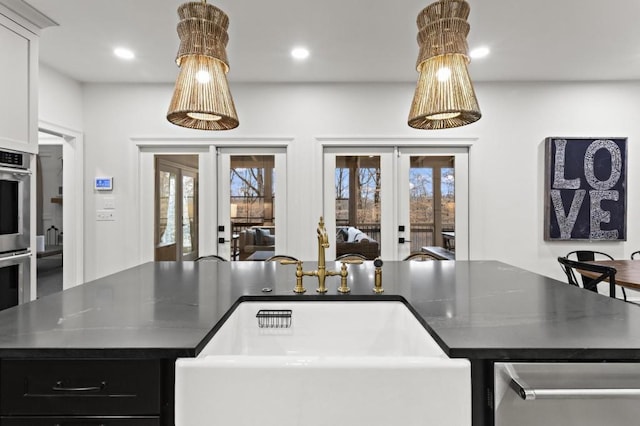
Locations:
(567, 394)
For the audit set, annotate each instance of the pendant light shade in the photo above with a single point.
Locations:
(444, 96)
(201, 98)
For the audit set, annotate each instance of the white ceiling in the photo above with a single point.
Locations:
(349, 40)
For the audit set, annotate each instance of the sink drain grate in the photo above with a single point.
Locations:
(274, 318)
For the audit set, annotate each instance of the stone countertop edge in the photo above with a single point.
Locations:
(473, 309)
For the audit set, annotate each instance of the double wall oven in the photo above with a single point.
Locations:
(15, 235)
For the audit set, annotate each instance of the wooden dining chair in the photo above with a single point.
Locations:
(572, 268)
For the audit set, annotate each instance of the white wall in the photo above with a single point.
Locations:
(59, 99)
(506, 162)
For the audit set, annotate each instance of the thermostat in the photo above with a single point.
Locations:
(103, 183)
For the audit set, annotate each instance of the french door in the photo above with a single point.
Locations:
(404, 199)
(252, 202)
(176, 236)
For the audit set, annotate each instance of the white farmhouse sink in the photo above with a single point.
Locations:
(339, 363)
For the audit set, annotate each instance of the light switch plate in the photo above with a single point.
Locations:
(105, 215)
(109, 203)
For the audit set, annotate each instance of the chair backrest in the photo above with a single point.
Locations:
(278, 257)
(606, 273)
(211, 258)
(587, 255)
(351, 256)
(635, 254)
(420, 256)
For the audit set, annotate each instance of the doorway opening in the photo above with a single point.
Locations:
(176, 207)
(49, 215)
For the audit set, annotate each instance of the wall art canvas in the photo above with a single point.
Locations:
(585, 189)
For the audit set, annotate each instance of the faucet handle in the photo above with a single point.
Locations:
(299, 288)
(344, 288)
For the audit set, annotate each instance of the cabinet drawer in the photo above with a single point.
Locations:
(79, 421)
(80, 387)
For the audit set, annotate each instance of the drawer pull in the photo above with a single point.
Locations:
(60, 387)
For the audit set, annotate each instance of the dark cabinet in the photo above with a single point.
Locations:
(80, 391)
(79, 421)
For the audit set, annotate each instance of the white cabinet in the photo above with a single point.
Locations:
(18, 87)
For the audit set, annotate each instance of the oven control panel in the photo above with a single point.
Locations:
(13, 159)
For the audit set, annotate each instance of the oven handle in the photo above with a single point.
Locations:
(527, 393)
(15, 171)
(15, 256)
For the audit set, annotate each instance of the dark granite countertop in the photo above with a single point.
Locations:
(475, 309)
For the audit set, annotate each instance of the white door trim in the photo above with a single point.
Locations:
(430, 142)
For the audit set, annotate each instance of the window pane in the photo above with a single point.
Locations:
(420, 203)
(432, 202)
(253, 192)
(448, 208)
(167, 212)
(357, 181)
(188, 214)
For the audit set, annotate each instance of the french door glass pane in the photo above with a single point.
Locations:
(420, 203)
(188, 214)
(167, 214)
(432, 202)
(448, 207)
(252, 200)
(358, 205)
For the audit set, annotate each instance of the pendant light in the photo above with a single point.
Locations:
(201, 98)
(444, 96)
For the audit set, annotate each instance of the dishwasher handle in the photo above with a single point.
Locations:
(528, 393)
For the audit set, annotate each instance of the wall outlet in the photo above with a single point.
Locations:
(105, 215)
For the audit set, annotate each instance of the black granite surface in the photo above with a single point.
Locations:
(475, 309)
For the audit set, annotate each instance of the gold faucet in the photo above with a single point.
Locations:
(322, 273)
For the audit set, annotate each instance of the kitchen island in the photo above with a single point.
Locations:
(138, 321)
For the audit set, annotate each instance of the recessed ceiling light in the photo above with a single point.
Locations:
(123, 53)
(300, 53)
(479, 52)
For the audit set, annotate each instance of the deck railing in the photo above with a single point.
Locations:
(421, 234)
